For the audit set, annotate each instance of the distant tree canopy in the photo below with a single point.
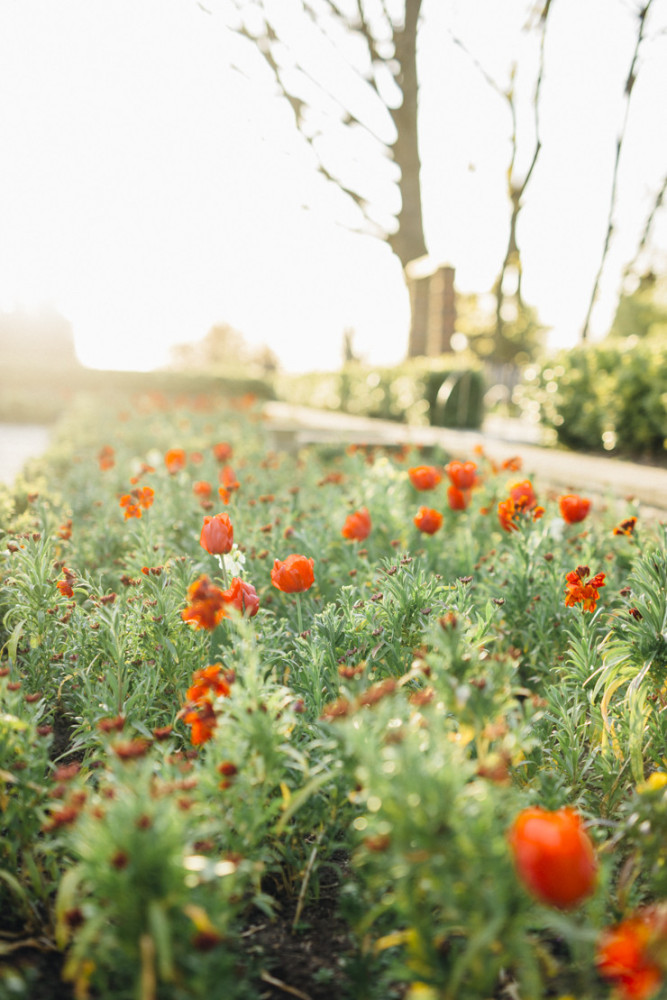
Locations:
(226, 350)
(519, 340)
(643, 312)
(36, 339)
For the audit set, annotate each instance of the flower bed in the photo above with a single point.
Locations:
(361, 723)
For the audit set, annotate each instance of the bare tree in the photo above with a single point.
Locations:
(375, 45)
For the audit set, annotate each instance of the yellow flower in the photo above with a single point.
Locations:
(654, 783)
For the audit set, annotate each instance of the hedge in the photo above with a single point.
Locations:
(609, 396)
(34, 394)
(442, 392)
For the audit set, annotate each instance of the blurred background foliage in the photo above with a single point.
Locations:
(607, 396)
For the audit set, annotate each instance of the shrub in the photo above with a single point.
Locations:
(611, 395)
(444, 392)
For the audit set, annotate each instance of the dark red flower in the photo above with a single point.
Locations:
(582, 590)
(203, 720)
(206, 604)
(626, 527)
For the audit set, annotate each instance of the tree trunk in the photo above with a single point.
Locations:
(408, 242)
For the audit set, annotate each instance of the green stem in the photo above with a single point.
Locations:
(299, 620)
(223, 570)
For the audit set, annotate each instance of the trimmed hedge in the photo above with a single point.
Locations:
(38, 395)
(438, 391)
(609, 396)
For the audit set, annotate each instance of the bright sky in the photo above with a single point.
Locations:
(148, 191)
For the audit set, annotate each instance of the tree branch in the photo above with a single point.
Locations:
(648, 226)
(629, 86)
(515, 190)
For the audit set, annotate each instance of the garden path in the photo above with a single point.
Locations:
(565, 471)
(18, 443)
(291, 426)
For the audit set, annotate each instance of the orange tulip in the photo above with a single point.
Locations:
(554, 856)
(428, 520)
(227, 477)
(457, 499)
(202, 489)
(294, 575)
(573, 508)
(424, 477)
(217, 534)
(175, 460)
(461, 474)
(523, 495)
(357, 525)
(242, 596)
(223, 451)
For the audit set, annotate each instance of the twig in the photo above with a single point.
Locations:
(266, 977)
(629, 87)
(304, 884)
(650, 219)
